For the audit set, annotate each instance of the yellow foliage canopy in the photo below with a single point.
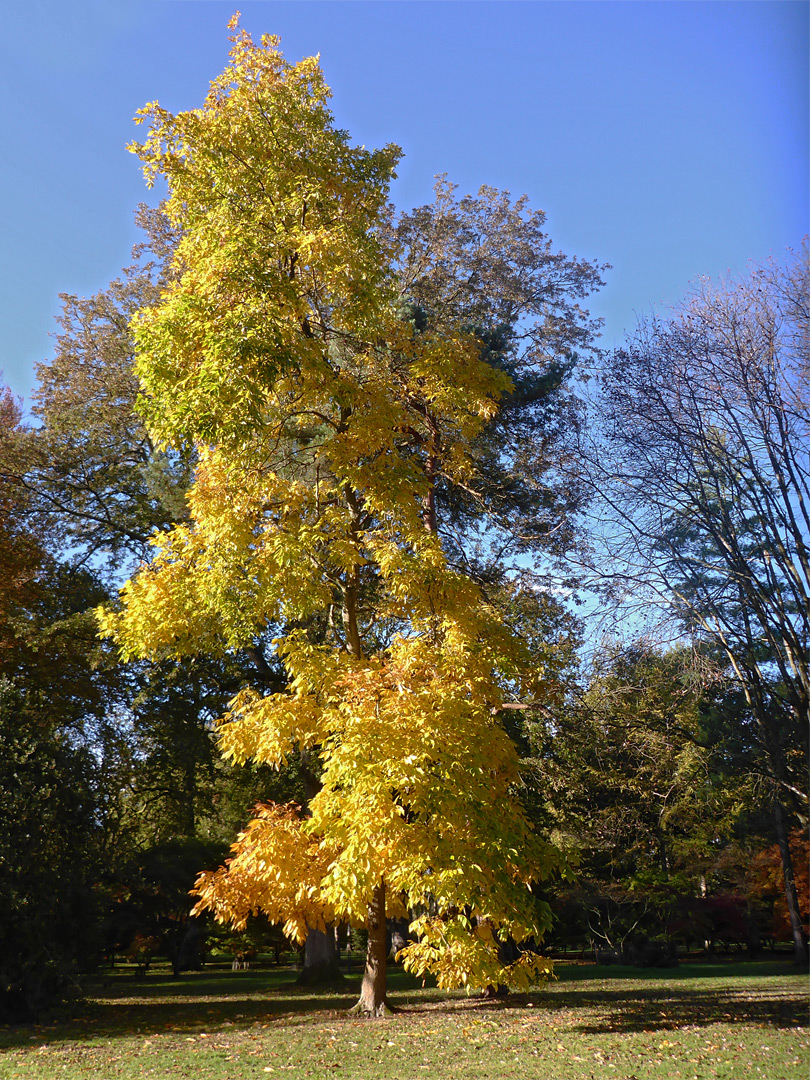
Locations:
(323, 422)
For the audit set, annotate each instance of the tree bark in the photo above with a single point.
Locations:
(373, 991)
(188, 821)
(429, 501)
(351, 586)
(352, 632)
(791, 895)
(320, 959)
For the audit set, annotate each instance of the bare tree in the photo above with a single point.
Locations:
(701, 462)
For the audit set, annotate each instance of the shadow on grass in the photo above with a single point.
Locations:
(119, 1006)
(667, 1008)
(730, 968)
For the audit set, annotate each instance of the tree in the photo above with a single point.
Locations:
(636, 790)
(51, 700)
(324, 420)
(48, 640)
(705, 474)
(766, 882)
(150, 910)
(49, 860)
(631, 768)
(90, 477)
(485, 262)
(89, 468)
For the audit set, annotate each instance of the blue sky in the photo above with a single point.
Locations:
(669, 139)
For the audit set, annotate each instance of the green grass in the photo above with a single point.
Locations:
(727, 1020)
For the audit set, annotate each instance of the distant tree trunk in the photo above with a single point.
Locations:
(372, 993)
(321, 967)
(185, 954)
(320, 959)
(507, 954)
(791, 895)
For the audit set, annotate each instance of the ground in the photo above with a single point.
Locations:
(725, 1020)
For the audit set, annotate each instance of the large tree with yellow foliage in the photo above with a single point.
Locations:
(324, 420)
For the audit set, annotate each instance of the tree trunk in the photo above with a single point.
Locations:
(320, 959)
(791, 895)
(188, 821)
(372, 993)
(429, 501)
(507, 954)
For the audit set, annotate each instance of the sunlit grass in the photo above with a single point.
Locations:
(727, 1021)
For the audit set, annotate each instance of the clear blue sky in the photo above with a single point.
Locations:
(669, 139)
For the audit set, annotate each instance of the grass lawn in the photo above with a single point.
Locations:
(730, 1020)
